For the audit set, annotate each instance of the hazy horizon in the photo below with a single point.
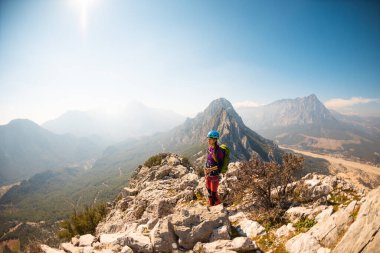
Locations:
(63, 55)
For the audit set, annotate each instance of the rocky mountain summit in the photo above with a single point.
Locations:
(163, 209)
(305, 123)
(189, 139)
(287, 112)
(221, 116)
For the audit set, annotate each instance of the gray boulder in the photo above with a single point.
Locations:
(162, 236)
(238, 244)
(363, 235)
(47, 249)
(197, 223)
(328, 231)
(302, 243)
(285, 230)
(68, 247)
(221, 233)
(86, 240)
(110, 238)
(245, 226)
(126, 249)
(324, 214)
(137, 242)
(294, 214)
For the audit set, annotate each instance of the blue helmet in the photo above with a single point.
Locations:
(213, 134)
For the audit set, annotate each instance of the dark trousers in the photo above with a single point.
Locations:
(212, 183)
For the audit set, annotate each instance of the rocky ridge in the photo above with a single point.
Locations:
(220, 115)
(163, 209)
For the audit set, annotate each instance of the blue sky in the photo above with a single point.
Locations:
(180, 55)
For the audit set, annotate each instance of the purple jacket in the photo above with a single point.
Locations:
(215, 158)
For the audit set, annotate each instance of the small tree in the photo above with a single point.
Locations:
(84, 222)
(272, 181)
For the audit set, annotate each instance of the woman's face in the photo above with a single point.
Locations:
(211, 142)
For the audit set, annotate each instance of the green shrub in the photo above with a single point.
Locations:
(304, 224)
(84, 222)
(155, 160)
(186, 162)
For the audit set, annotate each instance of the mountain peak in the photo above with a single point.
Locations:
(312, 97)
(222, 117)
(290, 112)
(23, 123)
(220, 103)
(218, 106)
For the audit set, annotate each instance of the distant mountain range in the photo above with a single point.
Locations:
(189, 138)
(72, 186)
(305, 123)
(27, 149)
(135, 120)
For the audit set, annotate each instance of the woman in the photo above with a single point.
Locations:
(214, 164)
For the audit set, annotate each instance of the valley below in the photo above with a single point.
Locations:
(362, 175)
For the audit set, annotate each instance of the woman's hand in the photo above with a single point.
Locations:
(209, 170)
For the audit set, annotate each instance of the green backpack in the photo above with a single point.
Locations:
(226, 159)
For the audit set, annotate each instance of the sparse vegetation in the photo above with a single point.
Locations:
(83, 222)
(267, 185)
(270, 182)
(33, 247)
(270, 243)
(270, 219)
(304, 225)
(355, 213)
(155, 160)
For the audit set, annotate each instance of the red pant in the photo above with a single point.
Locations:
(212, 183)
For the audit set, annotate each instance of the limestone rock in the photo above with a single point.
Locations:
(250, 228)
(364, 234)
(323, 250)
(47, 249)
(294, 214)
(162, 236)
(302, 243)
(284, 230)
(86, 240)
(88, 249)
(328, 231)
(110, 238)
(137, 242)
(220, 233)
(238, 244)
(152, 193)
(126, 192)
(196, 224)
(75, 240)
(174, 161)
(68, 247)
(245, 226)
(126, 249)
(324, 214)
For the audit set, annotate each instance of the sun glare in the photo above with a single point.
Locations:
(83, 7)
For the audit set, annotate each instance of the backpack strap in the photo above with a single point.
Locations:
(215, 157)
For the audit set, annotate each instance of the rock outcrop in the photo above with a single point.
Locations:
(163, 209)
(364, 234)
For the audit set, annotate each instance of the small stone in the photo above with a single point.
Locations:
(86, 240)
(126, 249)
(75, 240)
